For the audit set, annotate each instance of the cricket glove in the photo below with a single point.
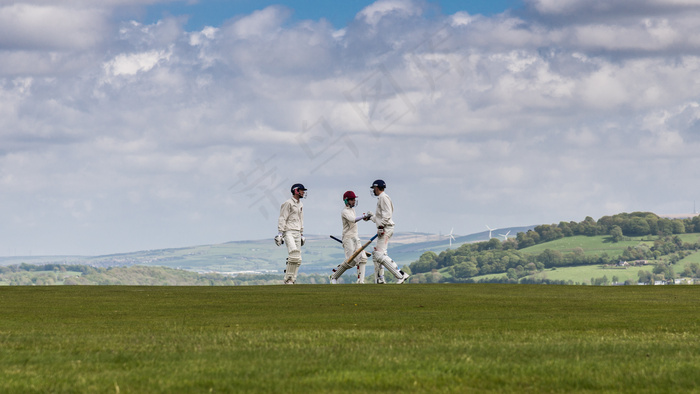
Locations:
(279, 240)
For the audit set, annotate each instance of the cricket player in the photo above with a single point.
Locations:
(290, 230)
(385, 229)
(351, 239)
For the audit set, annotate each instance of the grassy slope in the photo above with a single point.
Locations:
(415, 338)
(596, 246)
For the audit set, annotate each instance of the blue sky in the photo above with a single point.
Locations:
(339, 13)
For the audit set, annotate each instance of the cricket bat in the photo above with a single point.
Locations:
(358, 251)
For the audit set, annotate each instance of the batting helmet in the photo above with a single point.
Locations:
(298, 186)
(378, 183)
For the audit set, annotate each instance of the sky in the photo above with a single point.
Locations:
(129, 125)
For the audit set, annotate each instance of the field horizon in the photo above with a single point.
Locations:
(320, 254)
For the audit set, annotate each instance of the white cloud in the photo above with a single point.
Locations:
(373, 13)
(461, 19)
(263, 24)
(562, 7)
(200, 37)
(50, 27)
(582, 138)
(130, 64)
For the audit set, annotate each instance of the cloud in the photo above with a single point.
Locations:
(50, 27)
(130, 64)
(169, 137)
(373, 13)
(615, 7)
(260, 24)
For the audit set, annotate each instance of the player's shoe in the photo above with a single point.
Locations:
(333, 280)
(288, 281)
(380, 280)
(403, 278)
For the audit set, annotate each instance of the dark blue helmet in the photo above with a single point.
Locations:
(378, 183)
(297, 186)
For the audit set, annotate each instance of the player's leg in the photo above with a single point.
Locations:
(380, 255)
(349, 248)
(361, 262)
(293, 241)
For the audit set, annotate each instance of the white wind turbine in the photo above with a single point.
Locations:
(490, 229)
(450, 236)
(505, 236)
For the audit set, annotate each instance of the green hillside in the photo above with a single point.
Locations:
(638, 247)
(577, 275)
(595, 245)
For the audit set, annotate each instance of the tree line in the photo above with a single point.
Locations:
(618, 227)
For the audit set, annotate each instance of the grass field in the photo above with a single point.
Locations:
(582, 274)
(692, 258)
(415, 338)
(596, 245)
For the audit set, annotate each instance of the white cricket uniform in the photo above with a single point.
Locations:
(291, 225)
(352, 242)
(382, 218)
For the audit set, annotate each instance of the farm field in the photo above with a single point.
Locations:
(305, 338)
(595, 245)
(586, 272)
(692, 258)
(690, 237)
(581, 274)
(599, 244)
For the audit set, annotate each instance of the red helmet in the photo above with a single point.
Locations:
(349, 195)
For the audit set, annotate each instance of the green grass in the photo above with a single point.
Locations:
(692, 258)
(412, 338)
(690, 238)
(582, 274)
(596, 245)
(585, 272)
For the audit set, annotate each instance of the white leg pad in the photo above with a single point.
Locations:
(340, 270)
(361, 272)
(391, 266)
(293, 263)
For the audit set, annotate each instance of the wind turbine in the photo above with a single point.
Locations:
(450, 236)
(505, 236)
(490, 229)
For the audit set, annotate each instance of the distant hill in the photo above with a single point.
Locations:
(593, 252)
(320, 255)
